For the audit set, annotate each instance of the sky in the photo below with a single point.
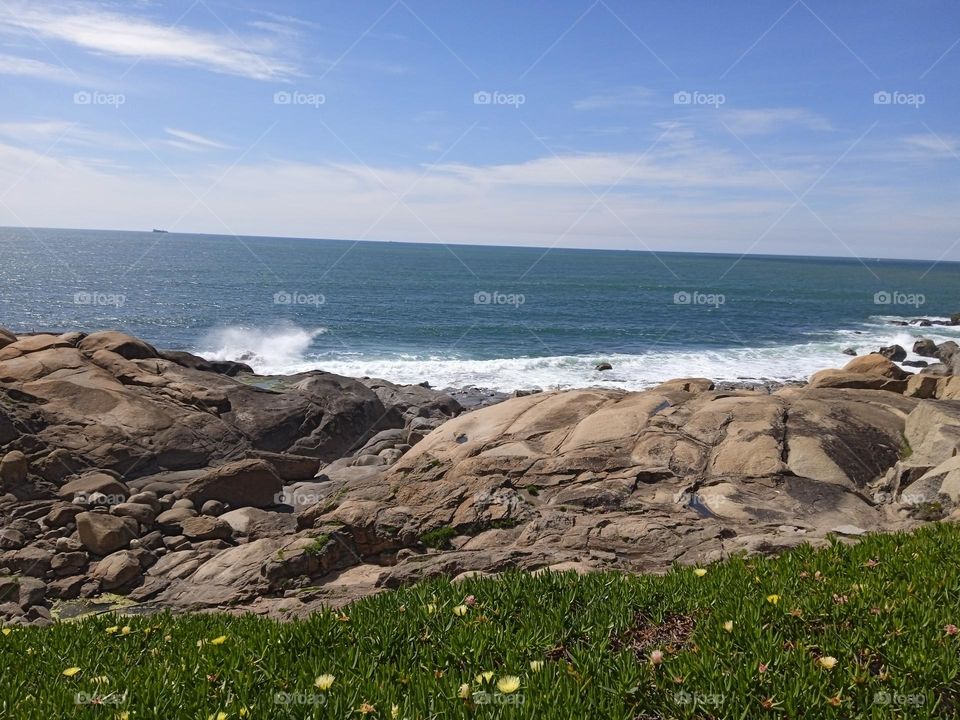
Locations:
(805, 127)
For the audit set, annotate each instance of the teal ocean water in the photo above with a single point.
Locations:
(457, 315)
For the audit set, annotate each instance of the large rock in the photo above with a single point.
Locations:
(6, 337)
(257, 523)
(125, 346)
(111, 402)
(933, 432)
(13, 469)
(204, 527)
(245, 483)
(97, 482)
(925, 348)
(117, 569)
(103, 534)
(866, 372)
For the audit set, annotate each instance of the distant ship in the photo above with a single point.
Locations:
(160, 231)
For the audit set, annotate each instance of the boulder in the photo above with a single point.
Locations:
(204, 527)
(62, 515)
(855, 381)
(143, 514)
(925, 348)
(30, 561)
(170, 521)
(876, 364)
(932, 431)
(893, 352)
(117, 569)
(69, 563)
(126, 346)
(245, 483)
(849, 351)
(256, 523)
(603, 366)
(11, 539)
(229, 368)
(92, 483)
(103, 534)
(6, 337)
(13, 469)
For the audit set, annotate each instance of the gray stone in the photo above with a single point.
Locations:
(103, 534)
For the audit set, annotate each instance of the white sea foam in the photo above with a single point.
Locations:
(266, 350)
(288, 349)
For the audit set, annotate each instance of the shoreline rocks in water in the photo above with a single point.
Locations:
(180, 483)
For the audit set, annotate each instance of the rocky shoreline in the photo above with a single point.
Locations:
(158, 479)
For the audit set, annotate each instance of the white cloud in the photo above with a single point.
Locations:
(680, 197)
(192, 141)
(930, 145)
(27, 67)
(623, 97)
(103, 31)
(763, 121)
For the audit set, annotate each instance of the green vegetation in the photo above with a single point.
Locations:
(533, 490)
(862, 631)
(317, 545)
(438, 538)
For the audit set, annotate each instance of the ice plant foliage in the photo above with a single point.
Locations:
(545, 647)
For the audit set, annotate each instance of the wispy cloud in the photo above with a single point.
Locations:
(104, 31)
(192, 141)
(764, 121)
(934, 146)
(622, 97)
(28, 67)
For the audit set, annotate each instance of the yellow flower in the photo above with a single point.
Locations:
(111, 630)
(728, 626)
(366, 708)
(460, 610)
(100, 680)
(484, 677)
(536, 665)
(71, 671)
(394, 711)
(700, 572)
(125, 630)
(773, 599)
(431, 608)
(125, 715)
(827, 662)
(243, 712)
(219, 640)
(219, 716)
(324, 681)
(508, 684)
(7, 631)
(464, 692)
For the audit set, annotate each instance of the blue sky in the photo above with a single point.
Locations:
(725, 127)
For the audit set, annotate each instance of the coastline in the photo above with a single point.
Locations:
(187, 484)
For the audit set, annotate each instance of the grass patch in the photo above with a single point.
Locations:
(438, 538)
(579, 647)
(317, 545)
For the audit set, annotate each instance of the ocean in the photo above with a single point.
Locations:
(496, 317)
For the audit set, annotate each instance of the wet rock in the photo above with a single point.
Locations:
(893, 352)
